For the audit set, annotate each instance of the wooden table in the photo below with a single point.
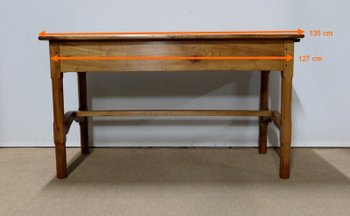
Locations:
(163, 52)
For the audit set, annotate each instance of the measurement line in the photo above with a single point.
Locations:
(297, 32)
(111, 58)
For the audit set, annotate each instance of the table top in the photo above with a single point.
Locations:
(171, 35)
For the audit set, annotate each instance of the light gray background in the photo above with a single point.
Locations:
(321, 99)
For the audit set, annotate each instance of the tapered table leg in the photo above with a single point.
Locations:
(82, 91)
(264, 105)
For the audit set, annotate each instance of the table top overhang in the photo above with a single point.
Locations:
(168, 36)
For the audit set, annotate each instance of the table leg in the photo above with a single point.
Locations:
(286, 113)
(58, 113)
(58, 127)
(264, 105)
(82, 91)
(286, 123)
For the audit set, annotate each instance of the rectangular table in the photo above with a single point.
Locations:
(198, 51)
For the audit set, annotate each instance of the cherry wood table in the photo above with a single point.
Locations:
(163, 52)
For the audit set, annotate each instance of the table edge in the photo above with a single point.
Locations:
(116, 37)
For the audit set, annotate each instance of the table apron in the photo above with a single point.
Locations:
(193, 48)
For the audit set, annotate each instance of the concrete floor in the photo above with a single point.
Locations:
(174, 181)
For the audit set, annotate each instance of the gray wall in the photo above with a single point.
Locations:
(321, 98)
